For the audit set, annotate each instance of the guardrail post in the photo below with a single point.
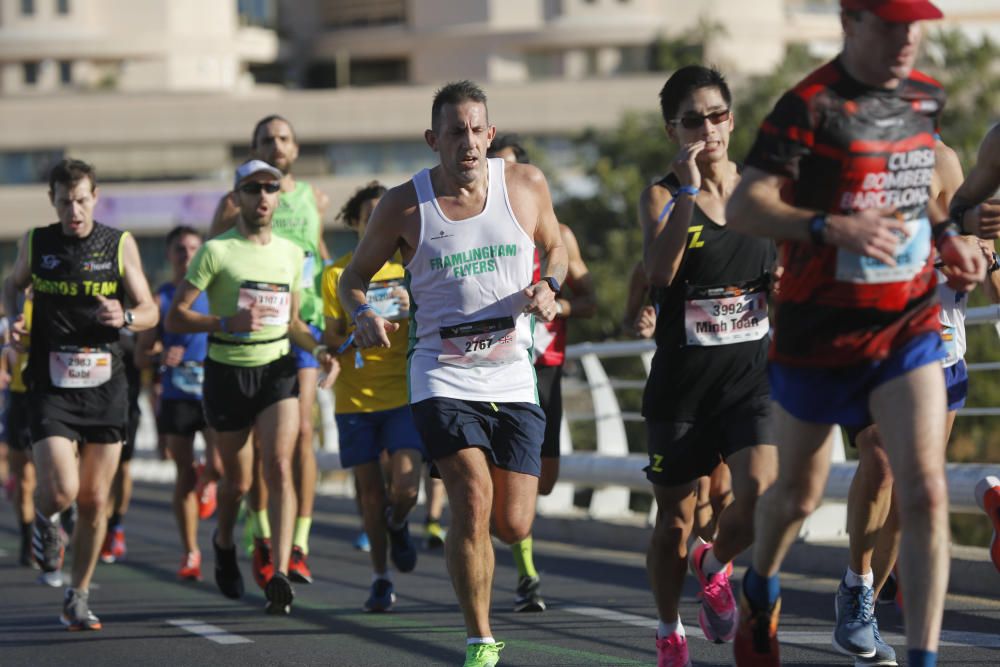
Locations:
(609, 502)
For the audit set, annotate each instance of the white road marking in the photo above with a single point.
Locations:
(210, 632)
(948, 637)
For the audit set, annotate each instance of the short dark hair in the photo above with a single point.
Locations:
(69, 172)
(179, 231)
(685, 81)
(509, 141)
(455, 93)
(351, 211)
(270, 119)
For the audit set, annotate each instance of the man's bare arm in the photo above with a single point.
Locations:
(976, 196)
(145, 313)
(383, 237)
(18, 280)
(182, 318)
(226, 215)
(582, 300)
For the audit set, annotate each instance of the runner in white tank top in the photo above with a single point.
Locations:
(466, 231)
(472, 336)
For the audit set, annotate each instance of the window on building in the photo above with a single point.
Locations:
(31, 73)
(27, 7)
(373, 72)
(361, 13)
(359, 158)
(22, 168)
(258, 13)
(65, 72)
(62, 7)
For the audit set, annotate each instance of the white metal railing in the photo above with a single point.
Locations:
(613, 472)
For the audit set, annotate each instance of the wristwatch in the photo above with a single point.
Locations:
(553, 284)
(129, 318)
(994, 265)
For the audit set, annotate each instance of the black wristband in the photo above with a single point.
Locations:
(995, 266)
(943, 231)
(957, 215)
(817, 229)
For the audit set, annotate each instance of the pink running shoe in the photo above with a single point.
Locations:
(672, 651)
(988, 497)
(717, 616)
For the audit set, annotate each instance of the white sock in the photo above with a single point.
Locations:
(853, 579)
(664, 630)
(480, 640)
(710, 564)
(387, 576)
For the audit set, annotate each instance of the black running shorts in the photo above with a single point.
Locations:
(233, 396)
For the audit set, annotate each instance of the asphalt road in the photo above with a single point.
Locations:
(601, 612)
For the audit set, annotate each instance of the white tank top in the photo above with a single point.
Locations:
(469, 336)
(952, 321)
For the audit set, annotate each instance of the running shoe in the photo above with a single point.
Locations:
(298, 568)
(527, 598)
(482, 655)
(76, 614)
(114, 548)
(53, 579)
(433, 535)
(227, 571)
(190, 567)
(263, 566)
(361, 542)
(402, 551)
(672, 651)
(884, 656)
(382, 596)
(47, 545)
(279, 594)
(756, 640)
(717, 615)
(855, 610)
(988, 497)
(206, 498)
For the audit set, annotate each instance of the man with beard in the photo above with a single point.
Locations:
(298, 219)
(252, 278)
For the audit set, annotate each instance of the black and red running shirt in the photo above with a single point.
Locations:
(550, 337)
(846, 147)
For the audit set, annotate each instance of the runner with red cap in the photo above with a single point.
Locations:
(840, 173)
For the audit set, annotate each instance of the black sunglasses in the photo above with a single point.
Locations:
(694, 122)
(255, 188)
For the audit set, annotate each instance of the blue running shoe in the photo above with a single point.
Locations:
(382, 596)
(854, 634)
(402, 550)
(884, 656)
(361, 543)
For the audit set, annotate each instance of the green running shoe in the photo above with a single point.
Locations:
(482, 655)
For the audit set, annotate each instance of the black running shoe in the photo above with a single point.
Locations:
(76, 612)
(227, 571)
(279, 594)
(528, 598)
(402, 550)
(47, 544)
(888, 593)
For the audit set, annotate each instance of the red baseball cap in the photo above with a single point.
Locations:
(895, 11)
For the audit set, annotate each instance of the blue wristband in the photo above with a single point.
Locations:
(360, 309)
(688, 190)
(683, 190)
(347, 343)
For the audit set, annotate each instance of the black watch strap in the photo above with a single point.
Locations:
(553, 284)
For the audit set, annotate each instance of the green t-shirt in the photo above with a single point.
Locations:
(297, 219)
(234, 272)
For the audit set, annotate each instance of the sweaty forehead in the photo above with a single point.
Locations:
(466, 111)
(75, 190)
(702, 100)
(276, 128)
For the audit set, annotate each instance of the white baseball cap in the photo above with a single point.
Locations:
(251, 167)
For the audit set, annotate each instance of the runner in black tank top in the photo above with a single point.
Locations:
(706, 400)
(82, 273)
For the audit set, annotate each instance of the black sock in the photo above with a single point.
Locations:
(26, 530)
(114, 521)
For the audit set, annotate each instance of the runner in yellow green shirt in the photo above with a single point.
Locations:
(373, 411)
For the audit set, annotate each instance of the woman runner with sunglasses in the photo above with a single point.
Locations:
(706, 400)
